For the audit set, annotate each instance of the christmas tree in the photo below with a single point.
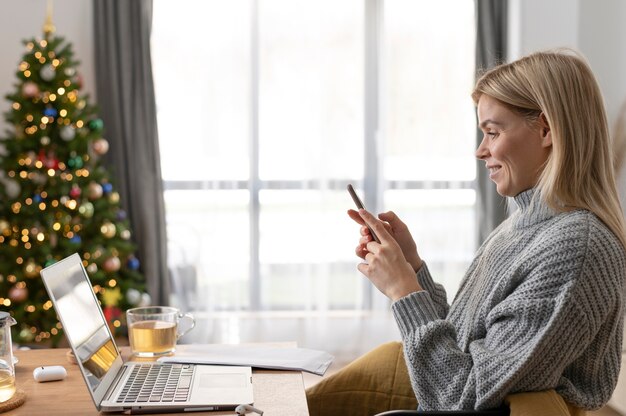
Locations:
(56, 198)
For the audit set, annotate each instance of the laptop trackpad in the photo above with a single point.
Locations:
(222, 385)
(222, 381)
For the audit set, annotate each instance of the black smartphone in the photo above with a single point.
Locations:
(360, 205)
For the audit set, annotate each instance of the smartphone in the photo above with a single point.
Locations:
(360, 205)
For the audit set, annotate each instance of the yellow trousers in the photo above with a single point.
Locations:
(379, 381)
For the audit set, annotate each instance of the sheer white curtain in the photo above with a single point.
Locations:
(267, 109)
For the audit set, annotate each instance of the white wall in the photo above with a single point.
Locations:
(595, 28)
(24, 19)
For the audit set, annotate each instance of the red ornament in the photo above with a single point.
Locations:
(52, 163)
(75, 191)
(49, 160)
(111, 313)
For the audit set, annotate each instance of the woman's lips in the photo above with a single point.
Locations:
(493, 170)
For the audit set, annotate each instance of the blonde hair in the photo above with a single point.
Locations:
(579, 171)
(619, 140)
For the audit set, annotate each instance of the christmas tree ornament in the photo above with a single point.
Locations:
(50, 112)
(75, 162)
(114, 197)
(100, 146)
(26, 335)
(75, 191)
(86, 209)
(30, 90)
(112, 264)
(108, 229)
(76, 239)
(92, 268)
(111, 312)
(67, 133)
(120, 215)
(47, 72)
(69, 72)
(18, 294)
(94, 190)
(51, 162)
(112, 296)
(96, 124)
(45, 140)
(146, 300)
(107, 188)
(125, 234)
(12, 188)
(133, 296)
(49, 262)
(132, 263)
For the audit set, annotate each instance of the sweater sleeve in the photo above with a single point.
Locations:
(436, 291)
(529, 337)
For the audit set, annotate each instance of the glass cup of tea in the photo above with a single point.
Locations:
(154, 330)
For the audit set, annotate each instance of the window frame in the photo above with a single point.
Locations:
(373, 185)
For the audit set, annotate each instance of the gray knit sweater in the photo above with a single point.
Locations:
(540, 307)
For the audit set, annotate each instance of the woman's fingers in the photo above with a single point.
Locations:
(376, 225)
(355, 216)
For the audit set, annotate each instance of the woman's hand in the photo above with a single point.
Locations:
(398, 231)
(385, 264)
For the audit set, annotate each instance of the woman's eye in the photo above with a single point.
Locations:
(492, 134)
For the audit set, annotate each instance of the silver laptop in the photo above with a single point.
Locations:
(134, 387)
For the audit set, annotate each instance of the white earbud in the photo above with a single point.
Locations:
(49, 373)
(242, 409)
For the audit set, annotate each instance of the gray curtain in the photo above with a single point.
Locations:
(491, 41)
(127, 106)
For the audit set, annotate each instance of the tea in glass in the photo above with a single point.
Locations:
(7, 384)
(153, 331)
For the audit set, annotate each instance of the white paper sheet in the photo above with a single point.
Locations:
(276, 358)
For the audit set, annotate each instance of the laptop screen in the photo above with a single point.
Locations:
(85, 327)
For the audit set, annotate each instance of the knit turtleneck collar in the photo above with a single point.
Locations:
(531, 209)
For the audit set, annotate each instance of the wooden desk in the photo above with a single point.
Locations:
(275, 392)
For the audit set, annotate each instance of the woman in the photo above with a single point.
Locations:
(541, 305)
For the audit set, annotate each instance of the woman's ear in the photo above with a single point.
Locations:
(546, 134)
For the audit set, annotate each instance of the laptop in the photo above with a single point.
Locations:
(134, 387)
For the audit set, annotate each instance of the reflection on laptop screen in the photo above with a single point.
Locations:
(83, 322)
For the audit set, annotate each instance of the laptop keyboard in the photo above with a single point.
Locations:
(157, 383)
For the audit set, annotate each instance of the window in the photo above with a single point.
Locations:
(268, 108)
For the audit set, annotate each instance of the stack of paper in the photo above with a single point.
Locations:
(300, 359)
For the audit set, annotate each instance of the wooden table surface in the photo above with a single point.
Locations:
(276, 392)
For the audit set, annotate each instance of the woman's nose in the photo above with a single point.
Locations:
(483, 151)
